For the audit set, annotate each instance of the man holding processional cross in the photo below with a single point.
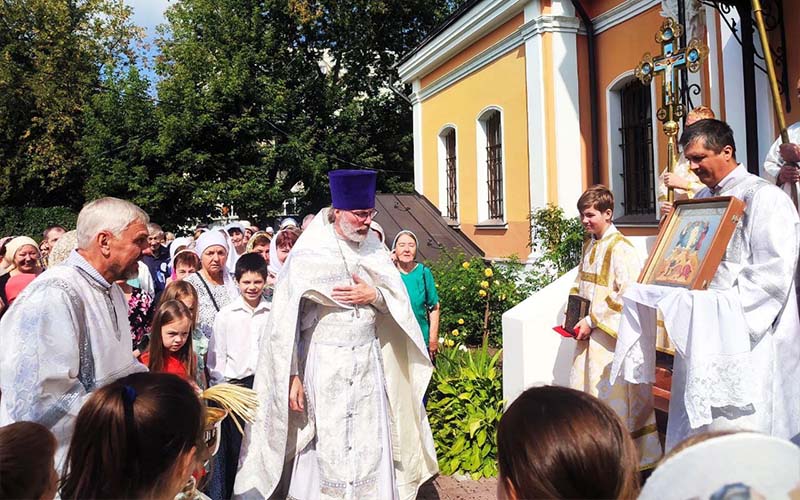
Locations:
(737, 344)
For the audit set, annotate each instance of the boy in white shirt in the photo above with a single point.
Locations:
(233, 355)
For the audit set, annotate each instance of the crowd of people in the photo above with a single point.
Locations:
(117, 298)
(111, 331)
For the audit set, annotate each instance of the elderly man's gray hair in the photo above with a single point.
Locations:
(154, 229)
(107, 214)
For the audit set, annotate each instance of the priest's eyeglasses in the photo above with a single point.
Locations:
(364, 214)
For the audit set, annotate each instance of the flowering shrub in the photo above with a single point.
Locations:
(464, 408)
(465, 398)
(557, 240)
(474, 295)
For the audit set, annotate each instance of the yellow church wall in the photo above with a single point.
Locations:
(473, 50)
(549, 118)
(597, 7)
(615, 56)
(501, 84)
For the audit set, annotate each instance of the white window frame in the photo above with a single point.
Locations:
(614, 139)
(482, 173)
(442, 168)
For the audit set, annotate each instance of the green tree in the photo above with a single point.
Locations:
(257, 95)
(51, 56)
(119, 146)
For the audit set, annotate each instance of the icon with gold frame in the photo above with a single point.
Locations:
(692, 242)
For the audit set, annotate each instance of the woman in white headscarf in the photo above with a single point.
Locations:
(214, 285)
(21, 257)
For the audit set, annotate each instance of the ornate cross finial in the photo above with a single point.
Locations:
(671, 60)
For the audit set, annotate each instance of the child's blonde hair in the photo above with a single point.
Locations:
(701, 113)
(179, 290)
(598, 197)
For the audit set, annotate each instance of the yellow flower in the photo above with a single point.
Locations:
(503, 297)
(454, 333)
(484, 284)
(488, 272)
(465, 265)
(482, 293)
(460, 321)
(449, 343)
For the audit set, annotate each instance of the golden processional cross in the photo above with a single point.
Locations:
(670, 62)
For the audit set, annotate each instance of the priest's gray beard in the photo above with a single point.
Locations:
(353, 231)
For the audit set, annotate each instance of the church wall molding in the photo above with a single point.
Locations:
(621, 13)
(481, 20)
(529, 30)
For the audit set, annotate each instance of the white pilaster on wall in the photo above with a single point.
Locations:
(767, 131)
(715, 90)
(735, 113)
(416, 111)
(537, 138)
(734, 91)
(569, 155)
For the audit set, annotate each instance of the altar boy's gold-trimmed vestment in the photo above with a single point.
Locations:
(607, 266)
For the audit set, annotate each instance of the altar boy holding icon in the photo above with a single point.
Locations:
(609, 263)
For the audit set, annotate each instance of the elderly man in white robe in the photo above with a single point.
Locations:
(737, 344)
(344, 352)
(68, 332)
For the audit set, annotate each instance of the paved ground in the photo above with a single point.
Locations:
(449, 488)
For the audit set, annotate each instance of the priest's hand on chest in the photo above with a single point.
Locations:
(360, 294)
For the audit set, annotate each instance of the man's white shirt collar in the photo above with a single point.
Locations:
(734, 174)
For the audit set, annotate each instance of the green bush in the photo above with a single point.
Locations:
(32, 221)
(465, 407)
(557, 240)
(473, 295)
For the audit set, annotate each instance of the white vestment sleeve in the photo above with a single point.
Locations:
(773, 162)
(218, 350)
(380, 302)
(40, 361)
(764, 284)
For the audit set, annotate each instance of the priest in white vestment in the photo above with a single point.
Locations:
(737, 361)
(342, 334)
(68, 332)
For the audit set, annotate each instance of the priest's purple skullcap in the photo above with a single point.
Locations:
(353, 189)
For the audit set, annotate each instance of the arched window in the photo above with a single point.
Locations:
(631, 147)
(636, 142)
(449, 143)
(490, 161)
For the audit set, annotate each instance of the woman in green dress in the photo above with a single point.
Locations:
(421, 288)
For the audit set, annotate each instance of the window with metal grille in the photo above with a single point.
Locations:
(449, 139)
(494, 165)
(637, 150)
